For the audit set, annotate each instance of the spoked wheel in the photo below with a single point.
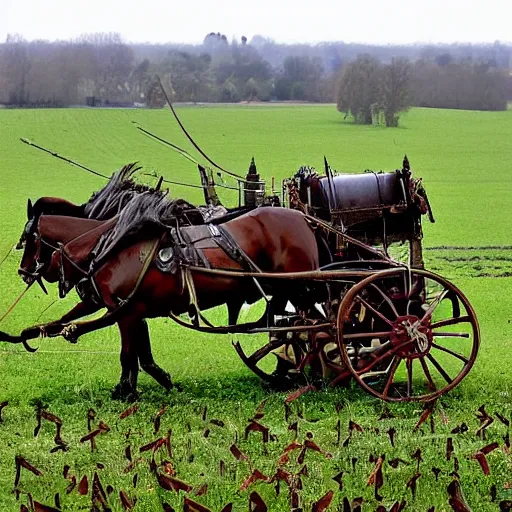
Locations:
(407, 335)
(295, 357)
(266, 364)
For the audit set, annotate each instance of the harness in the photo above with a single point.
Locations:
(176, 251)
(184, 248)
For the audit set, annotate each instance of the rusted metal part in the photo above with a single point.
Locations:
(348, 238)
(252, 361)
(315, 275)
(246, 329)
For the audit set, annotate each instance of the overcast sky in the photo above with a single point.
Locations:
(288, 21)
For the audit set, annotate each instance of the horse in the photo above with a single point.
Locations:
(75, 221)
(124, 276)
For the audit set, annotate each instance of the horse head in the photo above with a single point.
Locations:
(34, 259)
(36, 256)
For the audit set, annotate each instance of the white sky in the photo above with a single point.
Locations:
(366, 21)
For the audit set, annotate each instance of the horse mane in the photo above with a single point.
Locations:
(116, 194)
(147, 214)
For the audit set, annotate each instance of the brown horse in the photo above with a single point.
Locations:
(126, 280)
(42, 261)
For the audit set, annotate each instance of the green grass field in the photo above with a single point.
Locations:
(464, 159)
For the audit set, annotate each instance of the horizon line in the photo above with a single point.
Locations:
(268, 40)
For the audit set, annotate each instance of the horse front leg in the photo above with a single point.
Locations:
(73, 330)
(51, 329)
(54, 328)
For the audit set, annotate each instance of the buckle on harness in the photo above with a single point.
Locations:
(214, 230)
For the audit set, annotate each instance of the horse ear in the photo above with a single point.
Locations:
(30, 209)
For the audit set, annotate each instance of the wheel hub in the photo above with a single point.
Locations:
(411, 337)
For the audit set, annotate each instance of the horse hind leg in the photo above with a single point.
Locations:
(145, 356)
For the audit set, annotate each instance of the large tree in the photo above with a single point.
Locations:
(370, 91)
(358, 90)
(394, 90)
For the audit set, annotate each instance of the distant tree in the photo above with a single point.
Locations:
(300, 79)
(251, 89)
(370, 91)
(242, 74)
(462, 84)
(229, 91)
(508, 87)
(43, 73)
(154, 96)
(140, 80)
(444, 59)
(213, 40)
(259, 41)
(358, 90)
(190, 75)
(16, 65)
(394, 90)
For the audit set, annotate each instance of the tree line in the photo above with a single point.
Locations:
(369, 83)
(376, 93)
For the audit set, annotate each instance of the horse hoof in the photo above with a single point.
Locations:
(32, 332)
(68, 333)
(124, 391)
(132, 397)
(116, 392)
(121, 392)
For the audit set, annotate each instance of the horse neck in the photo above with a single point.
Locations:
(56, 229)
(79, 249)
(57, 206)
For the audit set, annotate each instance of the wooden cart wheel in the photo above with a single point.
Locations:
(295, 358)
(266, 365)
(407, 335)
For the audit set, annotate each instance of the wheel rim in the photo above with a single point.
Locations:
(423, 340)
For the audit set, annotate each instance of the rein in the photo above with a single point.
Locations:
(6, 256)
(72, 326)
(145, 267)
(64, 254)
(20, 296)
